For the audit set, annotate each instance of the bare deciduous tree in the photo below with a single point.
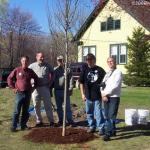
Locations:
(18, 28)
(77, 13)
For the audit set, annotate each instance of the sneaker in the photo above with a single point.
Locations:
(91, 130)
(106, 138)
(39, 124)
(12, 129)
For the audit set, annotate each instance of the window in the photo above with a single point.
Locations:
(103, 26)
(114, 51)
(123, 53)
(110, 24)
(117, 24)
(88, 49)
(85, 52)
(119, 52)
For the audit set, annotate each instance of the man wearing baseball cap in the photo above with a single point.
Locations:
(59, 82)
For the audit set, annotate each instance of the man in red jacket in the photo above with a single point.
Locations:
(20, 81)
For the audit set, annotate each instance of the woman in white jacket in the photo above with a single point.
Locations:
(111, 90)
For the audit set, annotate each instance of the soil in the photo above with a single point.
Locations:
(73, 135)
(54, 135)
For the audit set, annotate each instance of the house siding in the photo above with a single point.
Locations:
(103, 40)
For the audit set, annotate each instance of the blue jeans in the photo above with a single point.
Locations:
(22, 103)
(59, 97)
(110, 114)
(94, 114)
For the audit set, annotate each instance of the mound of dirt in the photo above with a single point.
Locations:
(54, 135)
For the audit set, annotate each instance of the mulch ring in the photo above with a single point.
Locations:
(54, 135)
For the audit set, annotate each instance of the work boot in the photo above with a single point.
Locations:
(25, 128)
(12, 129)
(40, 124)
(72, 124)
(106, 138)
(101, 132)
(52, 124)
(59, 124)
(113, 133)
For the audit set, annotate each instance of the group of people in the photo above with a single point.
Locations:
(99, 90)
(101, 93)
(35, 80)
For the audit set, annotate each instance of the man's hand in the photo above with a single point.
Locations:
(104, 98)
(70, 92)
(83, 97)
(15, 91)
(82, 92)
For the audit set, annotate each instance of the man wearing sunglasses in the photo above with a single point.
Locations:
(90, 79)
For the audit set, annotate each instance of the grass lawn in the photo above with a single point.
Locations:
(128, 138)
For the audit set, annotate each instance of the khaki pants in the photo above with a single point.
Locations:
(42, 94)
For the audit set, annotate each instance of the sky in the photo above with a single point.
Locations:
(37, 8)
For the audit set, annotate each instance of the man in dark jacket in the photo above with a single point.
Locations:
(59, 82)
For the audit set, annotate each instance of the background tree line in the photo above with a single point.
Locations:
(20, 34)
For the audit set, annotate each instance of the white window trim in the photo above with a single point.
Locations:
(89, 47)
(118, 53)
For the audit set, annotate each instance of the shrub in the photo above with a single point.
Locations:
(136, 81)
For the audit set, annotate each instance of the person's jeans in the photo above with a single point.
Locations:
(59, 97)
(110, 114)
(22, 103)
(94, 114)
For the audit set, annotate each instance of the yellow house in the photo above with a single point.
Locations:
(105, 31)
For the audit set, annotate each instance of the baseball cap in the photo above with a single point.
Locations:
(60, 57)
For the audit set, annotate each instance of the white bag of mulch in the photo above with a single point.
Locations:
(143, 116)
(131, 116)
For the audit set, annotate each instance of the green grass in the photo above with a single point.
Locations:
(128, 139)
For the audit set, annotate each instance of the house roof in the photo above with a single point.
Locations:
(141, 12)
(89, 20)
(147, 37)
(138, 11)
